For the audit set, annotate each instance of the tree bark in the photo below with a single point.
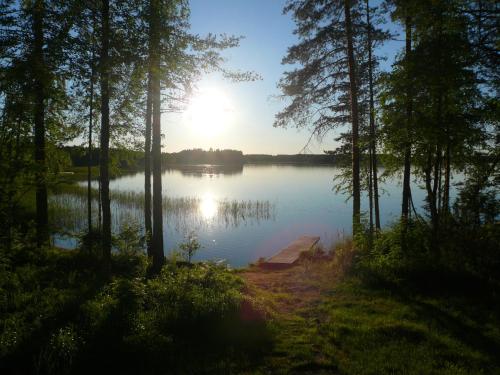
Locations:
(157, 239)
(105, 134)
(431, 198)
(356, 204)
(89, 166)
(99, 201)
(436, 189)
(147, 164)
(405, 208)
(447, 173)
(370, 189)
(39, 69)
(373, 139)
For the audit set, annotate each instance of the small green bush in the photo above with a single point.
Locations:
(457, 251)
(190, 247)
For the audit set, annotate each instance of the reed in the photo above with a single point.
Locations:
(67, 209)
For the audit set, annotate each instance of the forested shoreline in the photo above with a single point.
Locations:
(105, 74)
(130, 159)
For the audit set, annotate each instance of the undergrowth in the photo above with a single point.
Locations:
(60, 315)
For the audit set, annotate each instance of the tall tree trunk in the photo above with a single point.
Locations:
(89, 166)
(436, 189)
(447, 173)
(157, 239)
(99, 200)
(356, 204)
(370, 190)
(39, 69)
(147, 165)
(373, 135)
(105, 132)
(440, 188)
(405, 208)
(17, 157)
(7, 214)
(431, 198)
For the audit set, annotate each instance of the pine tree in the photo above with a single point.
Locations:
(329, 88)
(405, 208)
(353, 91)
(374, 194)
(34, 46)
(157, 235)
(104, 70)
(147, 162)
(175, 58)
(107, 42)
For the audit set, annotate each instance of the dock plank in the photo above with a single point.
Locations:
(290, 254)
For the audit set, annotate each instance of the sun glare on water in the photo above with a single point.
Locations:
(209, 112)
(208, 207)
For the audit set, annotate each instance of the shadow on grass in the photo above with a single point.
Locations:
(454, 324)
(457, 311)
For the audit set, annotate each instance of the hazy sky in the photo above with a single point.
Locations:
(248, 109)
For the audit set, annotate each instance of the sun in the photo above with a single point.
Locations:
(209, 112)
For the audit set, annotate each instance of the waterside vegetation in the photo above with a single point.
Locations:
(419, 296)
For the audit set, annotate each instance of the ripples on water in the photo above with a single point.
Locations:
(239, 213)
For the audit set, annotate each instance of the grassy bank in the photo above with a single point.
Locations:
(60, 314)
(327, 321)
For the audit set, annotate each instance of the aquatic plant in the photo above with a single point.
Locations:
(67, 208)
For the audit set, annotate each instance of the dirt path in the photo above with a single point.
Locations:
(290, 290)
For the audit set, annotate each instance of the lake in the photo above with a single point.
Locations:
(240, 214)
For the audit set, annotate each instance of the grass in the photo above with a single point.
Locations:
(364, 331)
(320, 317)
(68, 207)
(327, 322)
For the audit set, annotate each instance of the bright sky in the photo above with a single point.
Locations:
(240, 115)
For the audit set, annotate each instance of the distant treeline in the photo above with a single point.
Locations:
(295, 159)
(199, 156)
(121, 158)
(129, 159)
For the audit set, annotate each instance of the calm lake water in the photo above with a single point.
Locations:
(241, 214)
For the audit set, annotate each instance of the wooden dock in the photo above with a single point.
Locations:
(290, 254)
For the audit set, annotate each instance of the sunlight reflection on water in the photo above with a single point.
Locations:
(208, 206)
(241, 214)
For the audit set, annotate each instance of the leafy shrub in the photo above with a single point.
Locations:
(59, 315)
(190, 247)
(458, 251)
(386, 260)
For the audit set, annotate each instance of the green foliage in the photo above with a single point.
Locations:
(386, 260)
(121, 158)
(190, 247)
(131, 247)
(438, 91)
(58, 354)
(128, 241)
(59, 316)
(464, 252)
